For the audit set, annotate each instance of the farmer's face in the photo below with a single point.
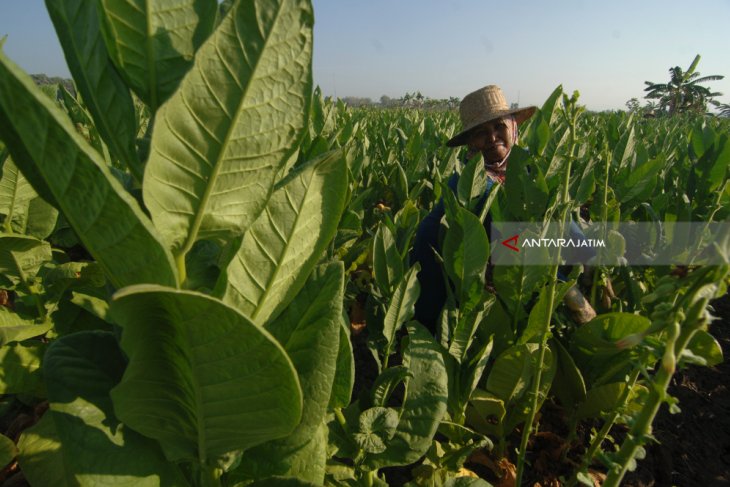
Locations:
(493, 139)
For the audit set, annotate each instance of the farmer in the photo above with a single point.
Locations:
(490, 127)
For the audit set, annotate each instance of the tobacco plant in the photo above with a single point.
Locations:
(222, 358)
(184, 236)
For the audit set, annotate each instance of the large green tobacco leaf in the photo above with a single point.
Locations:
(13, 328)
(602, 398)
(387, 262)
(401, 307)
(284, 244)
(40, 456)
(153, 43)
(223, 137)
(78, 27)
(472, 183)
(15, 195)
(309, 330)
(596, 352)
(20, 369)
(41, 218)
(424, 405)
(7, 450)
(64, 169)
(202, 379)
(21, 257)
(344, 379)
(80, 441)
(538, 322)
(466, 251)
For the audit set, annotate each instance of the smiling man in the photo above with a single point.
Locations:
(489, 127)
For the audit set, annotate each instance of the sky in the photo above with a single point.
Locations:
(443, 48)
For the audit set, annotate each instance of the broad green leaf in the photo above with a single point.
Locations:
(511, 373)
(473, 368)
(485, 412)
(377, 426)
(15, 196)
(80, 370)
(284, 244)
(308, 329)
(401, 306)
(518, 409)
(152, 43)
(599, 336)
(21, 257)
(601, 398)
(385, 384)
(515, 285)
(42, 218)
(623, 152)
(40, 456)
(472, 182)
(568, 386)
(472, 310)
(13, 328)
(387, 262)
(716, 173)
(703, 349)
(526, 191)
(8, 451)
(424, 405)
(96, 306)
(640, 181)
(596, 352)
(108, 221)
(222, 138)
(78, 26)
(465, 251)
(345, 373)
(538, 322)
(202, 379)
(84, 276)
(20, 366)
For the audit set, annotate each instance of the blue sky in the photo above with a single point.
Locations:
(443, 48)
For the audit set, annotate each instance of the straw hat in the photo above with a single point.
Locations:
(482, 106)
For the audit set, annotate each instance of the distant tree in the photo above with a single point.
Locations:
(683, 93)
(356, 101)
(386, 101)
(44, 80)
(633, 105)
(724, 108)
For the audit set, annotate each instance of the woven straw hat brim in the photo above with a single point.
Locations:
(520, 114)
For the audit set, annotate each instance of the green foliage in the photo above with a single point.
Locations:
(184, 237)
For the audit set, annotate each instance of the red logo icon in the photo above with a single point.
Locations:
(507, 244)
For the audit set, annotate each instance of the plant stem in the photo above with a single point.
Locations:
(210, 476)
(657, 394)
(535, 392)
(606, 428)
(604, 222)
(181, 270)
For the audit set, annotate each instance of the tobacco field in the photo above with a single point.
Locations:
(205, 276)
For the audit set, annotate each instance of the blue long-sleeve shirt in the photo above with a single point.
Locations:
(430, 277)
